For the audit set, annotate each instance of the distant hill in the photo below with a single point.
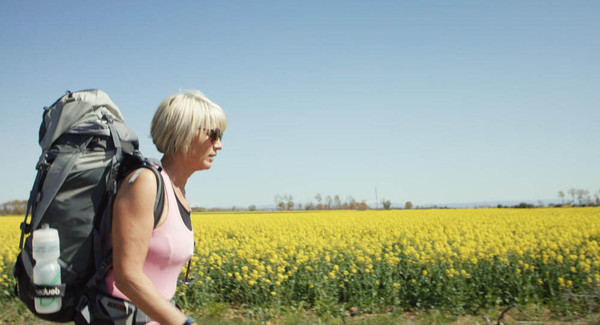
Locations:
(482, 204)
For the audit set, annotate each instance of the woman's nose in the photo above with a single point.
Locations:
(218, 145)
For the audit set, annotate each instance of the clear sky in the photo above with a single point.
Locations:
(432, 102)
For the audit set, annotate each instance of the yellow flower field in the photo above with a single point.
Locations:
(457, 259)
(413, 258)
(9, 248)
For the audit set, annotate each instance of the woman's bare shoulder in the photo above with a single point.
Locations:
(138, 185)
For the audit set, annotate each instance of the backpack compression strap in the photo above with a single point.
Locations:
(56, 174)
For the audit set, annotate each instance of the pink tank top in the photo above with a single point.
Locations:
(171, 246)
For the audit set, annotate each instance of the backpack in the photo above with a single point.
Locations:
(87, 149)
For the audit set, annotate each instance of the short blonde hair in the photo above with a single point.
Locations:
(178, 118)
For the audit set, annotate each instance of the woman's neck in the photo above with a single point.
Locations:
(177, 173)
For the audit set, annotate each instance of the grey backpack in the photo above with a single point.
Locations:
(87, 149)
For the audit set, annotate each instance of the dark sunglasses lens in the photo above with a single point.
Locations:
(216, 134)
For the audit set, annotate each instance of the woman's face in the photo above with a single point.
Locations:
(203, 149)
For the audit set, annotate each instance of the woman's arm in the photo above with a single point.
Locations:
(132, 226)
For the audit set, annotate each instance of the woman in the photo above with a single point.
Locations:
(187, 128)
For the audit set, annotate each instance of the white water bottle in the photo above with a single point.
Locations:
(46, 272)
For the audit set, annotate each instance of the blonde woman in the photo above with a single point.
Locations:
(187, 128)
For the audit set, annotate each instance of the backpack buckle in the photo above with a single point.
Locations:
(43, 162)
(109, 118)
(25, 227)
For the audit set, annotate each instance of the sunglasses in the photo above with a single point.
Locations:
(215, 134)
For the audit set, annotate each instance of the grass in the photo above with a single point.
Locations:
(13, 312)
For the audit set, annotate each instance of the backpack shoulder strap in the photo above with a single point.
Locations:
(159, 202)
(106, 259)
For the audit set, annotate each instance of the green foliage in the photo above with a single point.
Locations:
(387, 204)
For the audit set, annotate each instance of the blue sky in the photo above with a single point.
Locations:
(432, 102)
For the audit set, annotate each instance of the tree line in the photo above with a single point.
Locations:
(571, 197)
(282, 202)
(328, 202)
(13, 207)
(579, 197)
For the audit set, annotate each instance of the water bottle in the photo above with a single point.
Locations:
(46, 272)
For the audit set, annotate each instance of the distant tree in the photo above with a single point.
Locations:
(289, 202)
(573, 194)
(387, 204)
(351, 203)
(408, 205)
(362, 206)
(561, 195)
(309, 206)
(337, 203)
(319, 198)
(279, 202)
(252, 207)
(582, 196)
(524, 205)
(329, 201)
